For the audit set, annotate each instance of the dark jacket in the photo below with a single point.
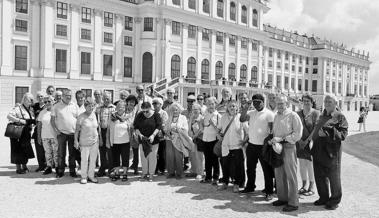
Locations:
(269, 155)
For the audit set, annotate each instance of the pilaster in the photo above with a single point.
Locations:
(74, 41)
(97, 41)
(119, 72)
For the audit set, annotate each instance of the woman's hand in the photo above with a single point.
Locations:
(321, 133)
(76, 144)
(151, 138)
(23, 122)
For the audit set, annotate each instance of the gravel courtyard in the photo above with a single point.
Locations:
(35, 195)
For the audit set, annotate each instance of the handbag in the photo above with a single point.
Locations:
(305, 152)
(217, 149)
(134, 143)
(14, 130)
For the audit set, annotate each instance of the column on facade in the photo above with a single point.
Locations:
(238, 12)
(212, 67)
(184, 49)
(199, 7)
(159, 68)
(249, 59)
(274, 58)
(282, 60)
(262, 61)
(74, 43)
(297, 64)
(97, 44)
(6, 38)
(337, 79)
(324, 78)
(213, 8)
(226, 60)
(198, 55)
(137, 61)
(118, 72)
(227, 10)
(35, 39)
(238, 58)
(167, 61)
(47, 30)
(250, 16)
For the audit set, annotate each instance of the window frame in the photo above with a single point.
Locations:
(85, 31)
(21, 58)
(128, 40)
(148, 24)
(21, 27)
(19, 94)
(105, 65)
(62, 10)
(106, 38)
(85, 67)
(128, 67)
(60, 64)
(61, 30)
(243, 14)
(22, 6)
(233, 11)
(108, 19)
(128, 23)
(86, 15)
(192, 31)
(220, 8)
(176, 28)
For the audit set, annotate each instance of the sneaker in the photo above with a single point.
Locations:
(48, 170)
(269, 197)
(100, 173)
(246, 191)
(93, 180)
(83, 181)
(290, 208)
(206, 181)
(319, 202)
(236, 188)
(279, 203)
(191, 175)
(222, 187)
(59, 175)
(199, 177)
(150, 178)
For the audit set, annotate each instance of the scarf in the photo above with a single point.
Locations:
(115, 116)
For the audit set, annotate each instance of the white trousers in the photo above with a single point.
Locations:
(88, 163)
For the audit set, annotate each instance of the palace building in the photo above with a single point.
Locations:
(194, 46)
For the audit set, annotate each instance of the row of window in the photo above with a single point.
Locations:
(220, 10)
(287, 54)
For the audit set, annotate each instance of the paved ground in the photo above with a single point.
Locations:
(34, 195)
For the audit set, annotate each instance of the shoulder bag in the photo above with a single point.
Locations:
(14, 130)
(217, 149)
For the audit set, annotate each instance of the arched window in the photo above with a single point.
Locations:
(147, 67)
(192, 4)
(191, 68)
(176, 2)
(233, 11)
(255, 18)
(220, 8)
(219, 70)
(175, 66)
(206, 6)
(232, 72)
(244, 14)
(205, 71)
(243, 72)
(254, 74)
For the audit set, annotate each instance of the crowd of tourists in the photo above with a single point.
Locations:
(198, 141)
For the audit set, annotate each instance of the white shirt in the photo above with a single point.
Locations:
(47, 131)
(81, 109)
(233, 138)
(258, 125)
(210, 132)
(121, 132)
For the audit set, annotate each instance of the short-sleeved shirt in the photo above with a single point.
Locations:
(258, 125)
(210, 132)
(88, 135)
(65, 116)
(147, 125)
(104, 112)
(47, 131)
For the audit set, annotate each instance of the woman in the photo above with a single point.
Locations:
(196, 129)
(176, 148)
(309, 117)
(226, 93)
(118, 139)
(211, 120)
(47, 136)
(87, 140)
(362, 119)
(330, 131)
(232, 155)
(40, 152)
(21, 149)
(147, 125)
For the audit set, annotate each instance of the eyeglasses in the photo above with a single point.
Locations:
(47, 102)
(145, 112)
(155, 103)
(200, 99)
(140, 90)
(257, 101)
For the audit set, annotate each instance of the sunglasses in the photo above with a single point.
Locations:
(257, 101)
(200, 99)
(145, 112)
(47, 102)
(140, 90)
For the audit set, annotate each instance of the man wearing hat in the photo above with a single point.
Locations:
(170, 99)
(188, 112)
(161, 163)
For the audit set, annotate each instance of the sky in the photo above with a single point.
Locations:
(354, 23)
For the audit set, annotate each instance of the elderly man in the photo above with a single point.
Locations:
(330, 131)
(272, 102)
(50, 90)
(170, 98)
(37, 108)
(287, 130)
(123, 95)
(63, 120)
(157, 104)
(97, 96)
(188, 113)
(103, 114)
(80, 97)
(58, 96)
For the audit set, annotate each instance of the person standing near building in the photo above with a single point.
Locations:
(260, 123)
(87, 141)
(104, 113)
(80, 97)
(272, 102)
(170, 99)
(50, 90)
(362, 118)
(330, 131)
(63, 121)
(161, 163)
(58, 96)
(188, 113)
(123, 95)
(97, 94)
(309, 117)
(196, 128)
(287, 130)
(200, 101)
(226, 94)
(40, 152)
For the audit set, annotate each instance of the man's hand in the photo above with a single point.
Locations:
(76, 145)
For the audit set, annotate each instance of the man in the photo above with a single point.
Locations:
(141, 97)
(63, 120)
(123, 95)
(161, 162)
(244, 101)
(79, 96)
(200, 101)
(330, 131)
(170, 98)
(40, 151)
(103, 114)
(97, 96)
(272, 102)
(58, 97)
(50, 90)
(188, 112)
(260, 126)
(287, 130)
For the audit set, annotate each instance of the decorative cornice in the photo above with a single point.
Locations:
(137, 20)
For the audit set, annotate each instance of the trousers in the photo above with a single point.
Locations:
(51, 151)
(174, 160)
(88, 161)
(149, 163)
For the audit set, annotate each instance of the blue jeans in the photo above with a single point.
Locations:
(63, 140)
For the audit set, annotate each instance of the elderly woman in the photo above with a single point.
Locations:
(87, 140)
(196, 129)
(226, 93)
(147, 125)
(157, 104)
(40, 152)
(330, 131)
(211, 120)
(58, 96)
(21, 148)
(309, 117)
(176, 148)
(232, 155)
(118, 139)
(47, 136)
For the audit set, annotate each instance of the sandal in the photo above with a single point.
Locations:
(302, 191)
(309, 193)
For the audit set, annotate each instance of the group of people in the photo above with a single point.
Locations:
(197, 141)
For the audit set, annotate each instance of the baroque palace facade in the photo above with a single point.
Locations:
(194, 46)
